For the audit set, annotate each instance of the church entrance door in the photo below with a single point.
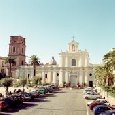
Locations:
(90, 83)
(73, 80)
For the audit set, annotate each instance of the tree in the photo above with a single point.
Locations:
(34, 61)
(109, 61)
(36, 80)
(100, 75)
(11, 61)
(23, 82)
(6, 82)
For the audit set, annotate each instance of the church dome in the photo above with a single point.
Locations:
(53, 61)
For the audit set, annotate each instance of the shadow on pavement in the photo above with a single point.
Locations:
(25, 105)
(50, 95)
(39, 100)
(60, 92)
(44, 100)
(4, 114)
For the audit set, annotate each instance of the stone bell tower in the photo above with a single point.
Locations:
(17, 51)
(73, 46)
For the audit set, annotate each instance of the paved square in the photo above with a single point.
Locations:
(65, 102)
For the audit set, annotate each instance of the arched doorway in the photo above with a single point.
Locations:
(73, 80)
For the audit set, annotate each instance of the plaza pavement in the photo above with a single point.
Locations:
(64, 102)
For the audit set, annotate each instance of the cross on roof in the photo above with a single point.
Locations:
(73, 37)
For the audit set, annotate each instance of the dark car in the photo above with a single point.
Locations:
(17, 99)
(100, 108)
(9, 101)
(26, 96)
(3, 105)
(95, 103)
(50, 89)
(109, 112)
(34, 94)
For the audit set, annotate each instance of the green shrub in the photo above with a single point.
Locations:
(112, 93)
(6, 82)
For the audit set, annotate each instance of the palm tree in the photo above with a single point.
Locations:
(36, 80)
(34, 61)
(23, 82)
(109, 60)
(10, 61)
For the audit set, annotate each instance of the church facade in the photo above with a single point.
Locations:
(73, 68)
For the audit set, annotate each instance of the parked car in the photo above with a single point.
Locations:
(100, 108)
(9, 101)
(50, 89)
(55, 87)
(41, 91)
(98, 100)
(26, 96)
(95, 103)
(108, 112)
(3, 105)
(17, 99)
(92, 96)
(34, 94)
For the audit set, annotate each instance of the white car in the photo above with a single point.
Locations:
(89, 89)
(92, 96)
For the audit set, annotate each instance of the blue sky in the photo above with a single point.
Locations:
(48, 26)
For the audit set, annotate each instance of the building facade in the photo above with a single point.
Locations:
(3, 67)
(73, 68)
(17, 52)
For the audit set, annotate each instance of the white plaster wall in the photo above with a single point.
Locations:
(50, 77)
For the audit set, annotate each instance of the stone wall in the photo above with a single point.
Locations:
(106, 95)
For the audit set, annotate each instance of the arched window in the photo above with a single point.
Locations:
(22, 50)
(57, 74)
(73, 62)
(22, 63)
(14, 49)
(45, 75)
(90, 74)
(73, 47)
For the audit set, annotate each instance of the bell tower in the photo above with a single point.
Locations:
(73, 46)
(17, 51)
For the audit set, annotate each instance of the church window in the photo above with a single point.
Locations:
(73, 62)
(90, 74)
(73, 47)
(14, 49)
(14, 63)
(57, 74)
(28, 76)
(2, 63)
(22, 50)
(45, 75)
(22, 63)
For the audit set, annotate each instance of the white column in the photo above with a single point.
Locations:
(86, 78)
(54, 77)
(49, 77)
(85, 61)
(43, 77)
(67, 77)
(61, 78)
(81, 77)
(66, 62)
(61, 61)
(79, 63)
